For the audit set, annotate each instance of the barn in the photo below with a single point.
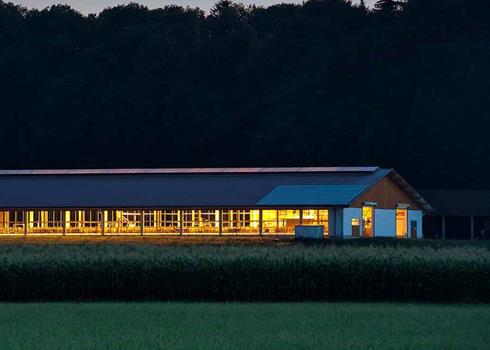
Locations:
(345, 201)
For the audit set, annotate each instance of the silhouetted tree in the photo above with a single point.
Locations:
(325, 82)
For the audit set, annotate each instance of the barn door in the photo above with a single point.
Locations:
(413, 229)
(356, 229)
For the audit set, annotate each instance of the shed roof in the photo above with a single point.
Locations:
(208, 187)
(459, 202)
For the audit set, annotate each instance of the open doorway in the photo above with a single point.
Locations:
(367, 221)
(401, 223)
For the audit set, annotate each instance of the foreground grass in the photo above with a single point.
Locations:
(243, 326)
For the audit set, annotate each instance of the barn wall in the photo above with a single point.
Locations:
(385, 223)
(335, 222)
(387, 194)
(349, 214)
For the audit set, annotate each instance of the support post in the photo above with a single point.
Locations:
(220, 222)
(301, 216)
(68, 219)
(103, 223)
(335, 222)
(142, 222)
(472, 227)
(339, 222)
(443, 227)
(277, 221)
(331, 222)
(26, 222)
(181, 223)
(260, 223)
(64, 222)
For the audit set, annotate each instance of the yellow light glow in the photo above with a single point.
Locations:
(368, 221)
(240, 222)
(158, 221)
(401, 223)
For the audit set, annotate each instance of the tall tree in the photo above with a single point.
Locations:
(322, 82)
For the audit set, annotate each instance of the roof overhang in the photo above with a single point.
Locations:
(398, 179)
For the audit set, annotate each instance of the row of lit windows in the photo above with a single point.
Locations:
(198, 221)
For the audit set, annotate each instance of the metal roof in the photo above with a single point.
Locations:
(135, 171)
(186, 188)
(339, 195)
(459, 202)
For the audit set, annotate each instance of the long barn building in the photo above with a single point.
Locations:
(346, 201)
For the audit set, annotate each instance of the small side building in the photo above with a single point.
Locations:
(347, 201)
(458, 214)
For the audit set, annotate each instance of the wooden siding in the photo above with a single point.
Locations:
(387, 194)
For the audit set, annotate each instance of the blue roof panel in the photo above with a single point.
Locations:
(312, 195)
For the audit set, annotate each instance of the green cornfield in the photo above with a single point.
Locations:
(296, 272)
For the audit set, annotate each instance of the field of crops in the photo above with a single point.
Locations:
(293, 272)
(243, 326)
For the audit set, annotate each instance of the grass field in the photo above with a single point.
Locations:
(243, 326)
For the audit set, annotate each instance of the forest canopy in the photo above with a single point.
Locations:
(405, 85)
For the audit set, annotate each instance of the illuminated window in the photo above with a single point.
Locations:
(131, 221)
(4, 221)
(170, 221)
(280, 221)
(200, 221)
(131, 218)
(170, 218)
(288, 219)
(401, 223)
(269, 221)
(13, 221)
(54, 218)
(240, 221)
(316, 217)
(161, 221)
(112, 216)
(151, 219)
(36, 219)
(113, 221)
(368, 222)
(83, 221)
(45, 221)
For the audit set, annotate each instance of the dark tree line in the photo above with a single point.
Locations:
(404, 85)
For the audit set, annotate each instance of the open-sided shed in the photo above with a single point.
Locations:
(460, 214)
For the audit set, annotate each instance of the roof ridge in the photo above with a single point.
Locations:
(239, 170)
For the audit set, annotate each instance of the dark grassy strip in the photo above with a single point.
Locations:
(235, 241)
(405, 243)
(243, 326)
(242, 273)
